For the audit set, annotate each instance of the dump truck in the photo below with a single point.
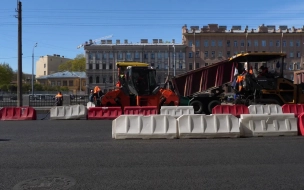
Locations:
(204, 87)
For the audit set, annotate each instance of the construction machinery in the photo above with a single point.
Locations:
(255, 87)
(137, 87)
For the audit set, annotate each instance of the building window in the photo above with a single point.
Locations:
(111, 79)
(284, 43)
(90, 80)
(180, 65)
(128, 56)
(90, 66)
(90, 56)
(166, 55)
(206, 54)
(197, 43)
(104, 66)
(235, 53)
(248, 43)
(291, 43)
(181, 55)
(219, 54)
(145, 56)
(278, 43)
(190, 66)
(136, 55)
(97, 66)
(97, 56)
(213, 54)
(97, 79)
(264, 43)
(111, 66)
(104, 56)
(58, 83)
(44, 72)
(298, 43)
(242, 43)
(270, 43)
(298, 54)
(235, 43)
(206, 64)
(110, 55)
(291, 54)
(197, 54)
(44, 66)
(52, 83)
(190, 55)
(71, 83)
(212, 43)
(152, 56)
(228, 54)
(228, 43)
(159, 55)
(256, 43)
(197, 65)
(190, 43)
(220, 43)
(64, 83)
(120, 55)
(206, 43)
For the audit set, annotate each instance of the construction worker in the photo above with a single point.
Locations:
(97, 95)
(59, 99)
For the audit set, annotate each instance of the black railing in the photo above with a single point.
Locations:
(42, 100)
(8, 100)
(79, 100)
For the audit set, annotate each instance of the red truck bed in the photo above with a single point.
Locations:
(204, 78)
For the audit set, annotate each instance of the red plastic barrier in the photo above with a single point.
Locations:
(103, 113)
(301, 124)
(140, 110)
(17, 113)
(297, 109)
(235, 110)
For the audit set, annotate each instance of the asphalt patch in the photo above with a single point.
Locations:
(46, 182)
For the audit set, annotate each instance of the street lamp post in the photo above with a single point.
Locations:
(33, 68)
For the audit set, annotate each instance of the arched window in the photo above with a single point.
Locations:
(90, 79)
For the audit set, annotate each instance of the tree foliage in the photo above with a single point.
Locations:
(6, 73)
(77, 64)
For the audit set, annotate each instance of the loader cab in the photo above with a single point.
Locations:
(141, 81)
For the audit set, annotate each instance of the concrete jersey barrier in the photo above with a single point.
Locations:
(144, 127)
(176, 111)
(268, 125)
(265, 109)
(68, 112)
(208, 126)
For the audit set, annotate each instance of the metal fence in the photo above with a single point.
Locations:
(8, 100)
(44, 100)
(79, 99)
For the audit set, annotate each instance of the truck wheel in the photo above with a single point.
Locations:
(197, 106)
(212, 104)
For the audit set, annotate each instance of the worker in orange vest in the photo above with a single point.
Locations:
(97, 95)
(59, 99)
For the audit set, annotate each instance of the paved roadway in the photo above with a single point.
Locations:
(83, 153)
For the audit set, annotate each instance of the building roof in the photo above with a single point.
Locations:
(64, 74)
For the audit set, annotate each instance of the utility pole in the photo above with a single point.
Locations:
(174, 60)
(33, 69)
(19, 74)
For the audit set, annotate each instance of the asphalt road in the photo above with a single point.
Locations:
(83, 155)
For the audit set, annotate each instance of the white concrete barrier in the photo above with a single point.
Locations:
(208, 126)
(176, 111)
(68, 112)
(265, 109)
(144, 127)
(268, 125)
(90, 104)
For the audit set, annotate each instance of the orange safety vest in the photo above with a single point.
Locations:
(96, 89)
(58, 95)
(239, 80)
(118, 84)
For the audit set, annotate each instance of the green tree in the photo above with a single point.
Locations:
(77, 64)
(6, 73)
